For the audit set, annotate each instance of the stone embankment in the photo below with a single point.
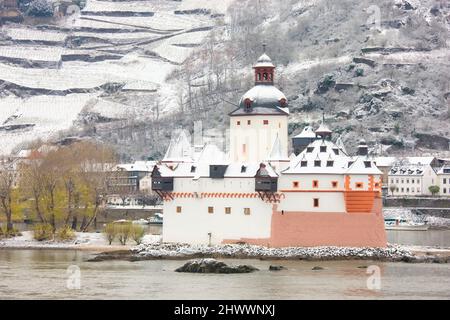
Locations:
(154, 251)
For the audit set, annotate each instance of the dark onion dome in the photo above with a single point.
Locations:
(264, 98)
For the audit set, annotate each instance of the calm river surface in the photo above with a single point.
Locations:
(42, 274)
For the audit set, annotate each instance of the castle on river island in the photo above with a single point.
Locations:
(256, 194)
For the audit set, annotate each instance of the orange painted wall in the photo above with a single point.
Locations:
(305, 229)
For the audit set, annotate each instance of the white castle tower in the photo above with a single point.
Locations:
(262, 116)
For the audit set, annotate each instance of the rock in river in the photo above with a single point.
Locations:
(276, 268)
(213, 266)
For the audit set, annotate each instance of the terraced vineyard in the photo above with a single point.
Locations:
(55, 73)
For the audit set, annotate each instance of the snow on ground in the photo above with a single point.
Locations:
(133, 6)
(84, 240)
(130, 36)
(407, 214)
(411, 57)
(160, 21)
(32, 53)
(34, 35)
(137, 70)
(49, 114)
(213, 5)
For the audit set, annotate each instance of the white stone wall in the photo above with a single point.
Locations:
(420, 186)
(257, 137)
(444, 188)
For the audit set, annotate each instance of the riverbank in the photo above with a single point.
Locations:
(165, 251)
(85, 241)
(153, 249)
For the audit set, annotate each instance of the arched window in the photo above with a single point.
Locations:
(265, 76)
(259, 76)
(283, 102)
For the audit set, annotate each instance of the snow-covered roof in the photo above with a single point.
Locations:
(340, 144)
(407, 170)
(211, 154)
(277, 153)
(307, 132)
(444, 170)
(202, 170)
(266, 99)
(142, 166)
(363, 165)
(323, 129)
(180, 149)
(264, 61)
(325, 157)
(385, 161)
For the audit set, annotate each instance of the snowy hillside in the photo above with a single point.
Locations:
(110, 60)
(131, 71)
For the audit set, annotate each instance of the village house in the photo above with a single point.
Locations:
(443, 177)
(412, 176)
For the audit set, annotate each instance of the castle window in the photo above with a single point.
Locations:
(193, 168)
(359, 185)
(315, 183)
(304, 164)
(249, 122)
(243, 169)
(295, 184)
(210, 210)
(316, 202)
(247, 211)
(330, 163)
(334, 184)
(317, 163)
(444, 181)
(309, 149)
(283, 102)
(238, 123)
(444, 190)
(248, 103)
(178, 209)
(323, 149)
(266, 122)
(367, 164)
(228, 210)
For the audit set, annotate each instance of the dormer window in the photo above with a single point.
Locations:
(330, 163)
(367, 164)
(303, 164)
(323, 148)
(243, 169)
(283, 102)
(193, 169)
(336, 151)
(309, 149)
(317, 163)
(350, 163)
(248, 103)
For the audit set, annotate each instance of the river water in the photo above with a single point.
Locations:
(53, 274)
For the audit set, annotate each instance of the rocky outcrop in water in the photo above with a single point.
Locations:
(213, 266)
